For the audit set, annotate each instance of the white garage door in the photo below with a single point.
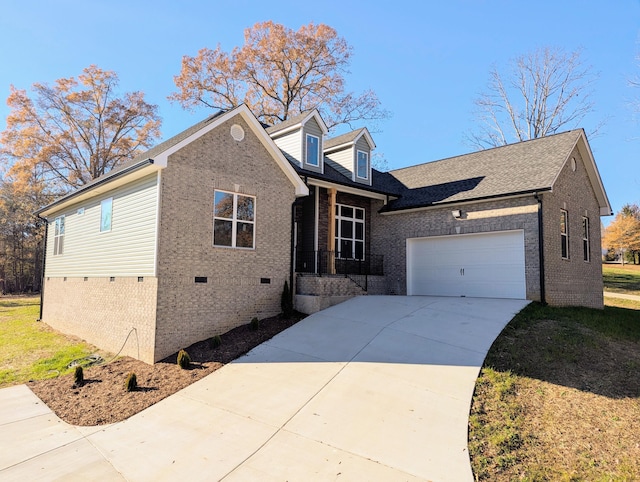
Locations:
(488, 265)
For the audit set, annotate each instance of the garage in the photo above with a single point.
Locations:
(486, 265)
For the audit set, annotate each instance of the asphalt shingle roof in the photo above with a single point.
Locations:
(291, 121)
(333, 175)
(516, 168)
(342, 139)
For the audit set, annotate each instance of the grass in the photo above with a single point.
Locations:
(621, 279)
(559, 397)
(620, 303)
(30, 350)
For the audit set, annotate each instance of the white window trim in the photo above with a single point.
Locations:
(367, 167)
(234, 221)
(102, 204)
(306, 150)
(339, 237)
(566, 235)
(58, 247)
(585, 240)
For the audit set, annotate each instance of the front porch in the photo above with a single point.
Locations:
(332, 250)
(324, 279)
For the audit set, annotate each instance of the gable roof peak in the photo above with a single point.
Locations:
(348, 139)
(296, 122)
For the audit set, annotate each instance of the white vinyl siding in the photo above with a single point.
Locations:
(127, 250)
(344, 158)
(291, 145)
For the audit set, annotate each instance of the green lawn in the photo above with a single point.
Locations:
(621, 279)
(30, 350)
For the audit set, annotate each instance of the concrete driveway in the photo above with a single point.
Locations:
(376, 388)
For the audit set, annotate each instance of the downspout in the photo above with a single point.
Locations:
(291, 258)
(541, 249)
(44, 264)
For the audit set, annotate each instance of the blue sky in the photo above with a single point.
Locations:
(427, 61)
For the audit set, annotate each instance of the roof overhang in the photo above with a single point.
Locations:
(101, 185)
(251, 120)
(364, 132)
(592, 171)
(350, 189)
(465, 202)
(298, 125)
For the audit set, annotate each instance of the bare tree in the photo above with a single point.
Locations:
(545, 91)
(278, 73)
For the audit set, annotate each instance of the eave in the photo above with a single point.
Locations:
(101, 185)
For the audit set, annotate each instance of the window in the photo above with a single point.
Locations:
(585, 239)
(313, 150)
(233, 220)
(349, 232)
(58, 236)
(564, 234)
(106, 211)
(362, 170)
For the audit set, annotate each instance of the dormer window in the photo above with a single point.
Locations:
(362, 170)
(313, 150)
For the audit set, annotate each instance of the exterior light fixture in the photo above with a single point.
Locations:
(456, 213)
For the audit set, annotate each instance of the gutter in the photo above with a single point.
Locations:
(292, 247)
(101, 180)
(541, 248)
(385, 210)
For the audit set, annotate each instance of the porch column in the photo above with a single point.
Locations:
(331, 262)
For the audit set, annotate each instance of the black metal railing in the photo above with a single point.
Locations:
(326, 262)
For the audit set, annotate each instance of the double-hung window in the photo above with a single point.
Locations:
(585, 239)
(58, 236)
(313, 150)
(362, 167)
(564, 234)
(349, 241)
(233, 220)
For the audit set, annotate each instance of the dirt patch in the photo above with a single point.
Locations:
(557, 401)
(103, 398)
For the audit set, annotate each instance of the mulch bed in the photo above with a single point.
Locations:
(103, 398)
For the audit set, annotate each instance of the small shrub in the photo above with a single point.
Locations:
(184, 360)
(215, 341)
(131, 383)
(255, 324)
(286, 302)
(78, 377)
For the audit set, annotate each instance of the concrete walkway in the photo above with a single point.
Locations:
(376, 388)
(622, 296)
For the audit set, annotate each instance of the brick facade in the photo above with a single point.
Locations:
(572, 281)
(113, 315)
(390, 232)
(241, 283)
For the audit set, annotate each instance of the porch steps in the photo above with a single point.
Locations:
(315, 293)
